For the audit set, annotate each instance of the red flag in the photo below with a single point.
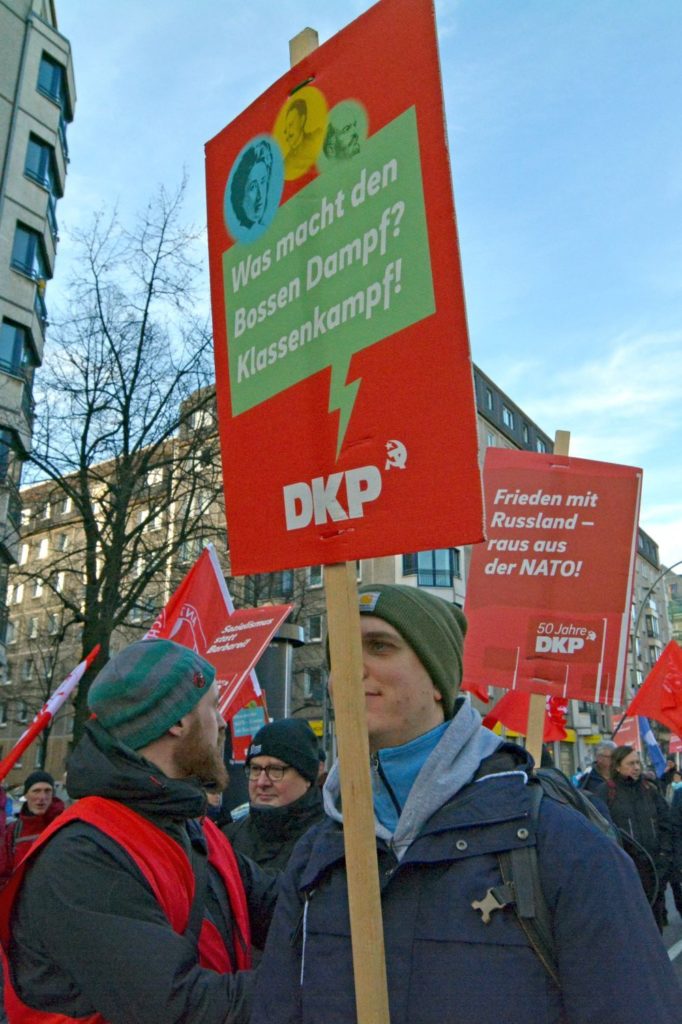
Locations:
(47, 713)
(512, 711)
(660, 695)
(200, 614)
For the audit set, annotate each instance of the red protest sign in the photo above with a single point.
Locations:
(548, 593)
(628, 734)
(343, 371)
(237, 648)
(200, 614)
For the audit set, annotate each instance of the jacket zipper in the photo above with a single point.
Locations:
(375, 765)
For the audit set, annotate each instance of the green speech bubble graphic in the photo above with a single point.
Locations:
(344, 264)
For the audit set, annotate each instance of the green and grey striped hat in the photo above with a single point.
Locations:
(147, 688)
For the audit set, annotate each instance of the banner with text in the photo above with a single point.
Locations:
(344, 379)
(200, 614)
(548, 593)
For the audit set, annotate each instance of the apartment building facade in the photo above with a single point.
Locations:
(41, 652)
(37, 98)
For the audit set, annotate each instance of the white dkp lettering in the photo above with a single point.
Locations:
(319, 500)
(559, 644)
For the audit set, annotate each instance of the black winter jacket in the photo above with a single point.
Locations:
(639, 809)
(269, 834)
(88, 933)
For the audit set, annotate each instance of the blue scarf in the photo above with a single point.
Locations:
(394, 770)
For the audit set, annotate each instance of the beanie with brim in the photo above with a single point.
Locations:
(434, 629)
(147, 688)
(290, 740)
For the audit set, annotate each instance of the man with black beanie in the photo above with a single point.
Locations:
(282, 766)
(132, 907)
(449, 797)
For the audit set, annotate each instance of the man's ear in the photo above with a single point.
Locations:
(437, 695)
(180, 727)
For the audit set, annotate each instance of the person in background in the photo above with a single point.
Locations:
(597, 779)
(39, 809)
(676, 817)
(282, 768)
(448, 795)
(132, 907)
(640, 811)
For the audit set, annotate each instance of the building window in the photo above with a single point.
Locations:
(651, 626)
(27, 669)
(45, 511)
(11, 634)
(526, 433)
(313, 685)
(19, 593)
(507, 417)
(437, 568)
(52, 623)
(490, 440)
(33, 627)
(313, 629)
(540, 445)
(66, 506)
(16, 351)
(28, 253)
(410, 564)
(3, 715)
(52, 80)
(22, 708)
(62, 543)
(43, 547)
(37, 588)
(23, 557)
(40, 164)
(315, 576)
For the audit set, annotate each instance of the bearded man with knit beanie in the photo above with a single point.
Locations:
(132, 907)
(449, 795)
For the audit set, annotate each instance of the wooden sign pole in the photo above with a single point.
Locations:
(536, 710)
(343, 625)
(367, 935)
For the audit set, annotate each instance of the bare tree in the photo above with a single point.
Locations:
(126, 428)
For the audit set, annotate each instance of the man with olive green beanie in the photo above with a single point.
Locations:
(449, 795)
(132, 907)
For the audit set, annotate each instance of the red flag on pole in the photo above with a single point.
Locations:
(660, 695)
(512, 711)
(47, 713)
(201, 614)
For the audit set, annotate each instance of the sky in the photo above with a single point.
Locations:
(563, 123)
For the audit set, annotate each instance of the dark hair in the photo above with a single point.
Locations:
(300, 106)
(258, 154)
(619, 755)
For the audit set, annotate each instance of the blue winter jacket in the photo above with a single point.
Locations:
(444, 965)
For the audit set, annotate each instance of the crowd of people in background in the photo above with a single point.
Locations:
(146, 899)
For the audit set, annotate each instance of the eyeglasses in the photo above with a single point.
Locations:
(274, 772)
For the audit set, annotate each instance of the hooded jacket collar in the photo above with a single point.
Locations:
(450, 766)
(102, 766)
(278, 824)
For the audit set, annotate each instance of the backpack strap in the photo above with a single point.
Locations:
(520, 869)
(521, 889)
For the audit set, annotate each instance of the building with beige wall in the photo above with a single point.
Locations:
(37, 97)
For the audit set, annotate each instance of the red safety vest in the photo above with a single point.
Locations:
(168, 871)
